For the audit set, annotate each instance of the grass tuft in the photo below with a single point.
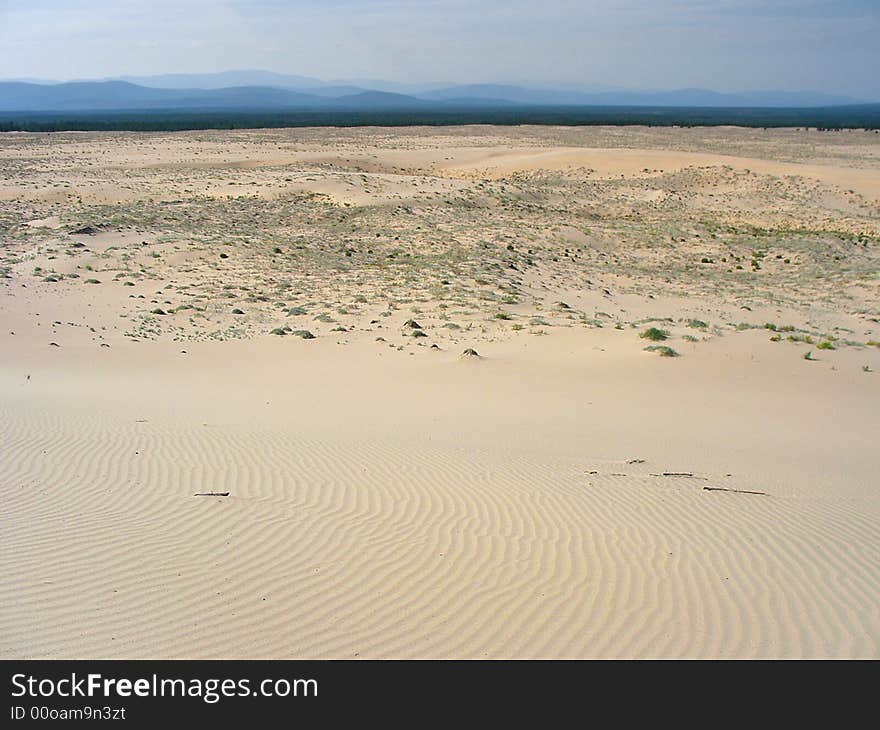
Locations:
(662, 350)
(654, 334)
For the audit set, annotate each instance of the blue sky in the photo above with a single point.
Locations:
(727, 45)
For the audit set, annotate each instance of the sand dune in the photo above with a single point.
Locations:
(410, 530)
(567, 493)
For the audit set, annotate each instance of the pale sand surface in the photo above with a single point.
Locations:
(390, 499)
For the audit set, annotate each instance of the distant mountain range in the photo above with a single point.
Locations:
(268, 90)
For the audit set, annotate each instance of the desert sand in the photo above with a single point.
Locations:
(282, 317)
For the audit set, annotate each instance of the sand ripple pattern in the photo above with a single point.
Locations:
(367, 550)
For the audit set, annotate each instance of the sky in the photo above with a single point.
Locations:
(725, 45)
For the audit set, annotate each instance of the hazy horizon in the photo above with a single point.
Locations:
(754, 45)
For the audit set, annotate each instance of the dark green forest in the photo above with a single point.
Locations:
(825, 118)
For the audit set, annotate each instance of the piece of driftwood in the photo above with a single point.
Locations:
(211, 494)
(738, 491)
(677, 474)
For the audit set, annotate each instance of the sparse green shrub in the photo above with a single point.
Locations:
(654, 334)
(662, 350)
